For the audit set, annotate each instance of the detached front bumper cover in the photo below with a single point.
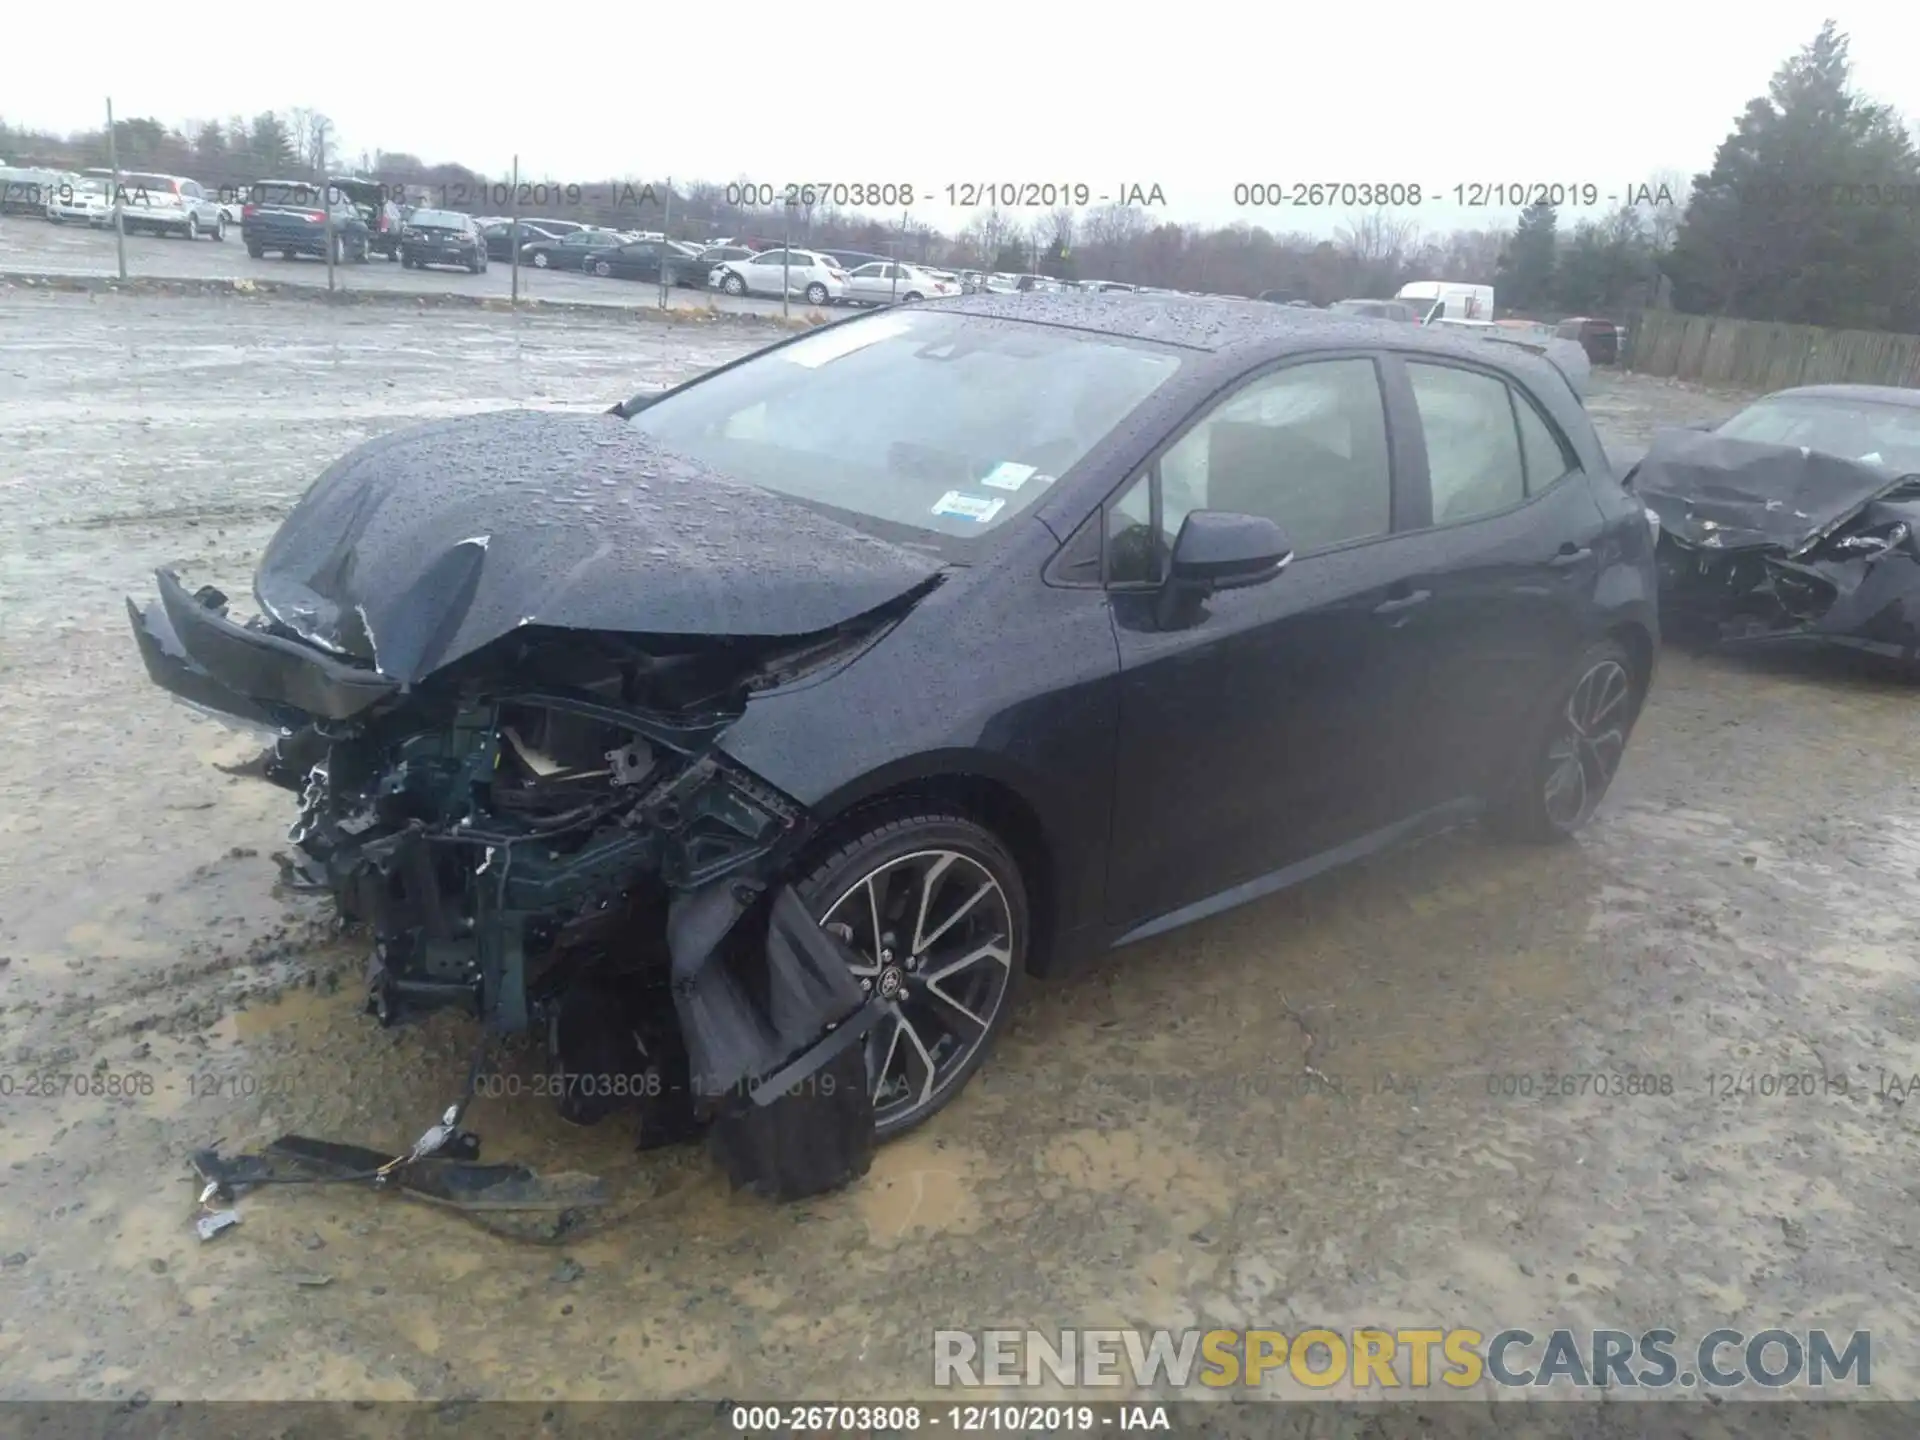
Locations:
(194, 651)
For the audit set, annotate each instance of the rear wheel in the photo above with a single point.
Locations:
(286, 254)
(540, 261)
(255, 252)
(935, 905)
(220, 228)
(816, 294)
(1575, 750)
(912, 295)
(193, 227)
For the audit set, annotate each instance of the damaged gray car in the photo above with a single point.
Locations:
(1795, 518)
(751, 743)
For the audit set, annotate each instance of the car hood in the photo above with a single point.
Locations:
(1720, 493)
(423, 546)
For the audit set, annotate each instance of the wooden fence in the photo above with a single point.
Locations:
(1760, 355)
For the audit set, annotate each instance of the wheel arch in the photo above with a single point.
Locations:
(976, 791)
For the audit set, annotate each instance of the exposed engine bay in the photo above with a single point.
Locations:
(552, 840)
(499, 656)
(1762, 541)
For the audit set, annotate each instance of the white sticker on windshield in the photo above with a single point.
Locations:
(841, 340)
(1007, 476)
(968, 507)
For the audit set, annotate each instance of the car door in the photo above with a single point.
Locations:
(1503, 538)
(763, 272)
(866, 283)
(1253, 731)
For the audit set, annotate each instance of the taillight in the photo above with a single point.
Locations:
(316, 214)
(247, 211)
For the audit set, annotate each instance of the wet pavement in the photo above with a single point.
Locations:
(1331, 1107)
(38, 247)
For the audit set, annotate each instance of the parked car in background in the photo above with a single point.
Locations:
(27, 189)
(1599, 338)
(1377, 310)
(290, 217)
(499, 237)
(717, 255)
(376, 205)
(884, 282)
(849, 260)
(574, 251)
(551, 225)
(784, 272)
(1798, 517)
(1448, 299)
(645, 259)
(83, 200)
(169, 205)
(443, 237)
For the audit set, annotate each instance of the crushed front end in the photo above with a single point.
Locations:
(1858, 583)
(1762, 541)
(547, 835)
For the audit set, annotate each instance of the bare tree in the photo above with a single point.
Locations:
(988, 233)
(1660, 218)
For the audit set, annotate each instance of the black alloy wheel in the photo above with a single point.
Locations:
(1579, 748)
(935, 906)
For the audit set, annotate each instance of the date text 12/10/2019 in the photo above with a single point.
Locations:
(1472, 195)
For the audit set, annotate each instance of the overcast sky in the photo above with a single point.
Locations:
(1194, 98)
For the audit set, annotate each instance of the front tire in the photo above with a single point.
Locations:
(936, 905)
(733, 285)
(602, 269)
(540, 261)
(1575, 750)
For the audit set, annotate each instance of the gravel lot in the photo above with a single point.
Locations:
(1144, 1149)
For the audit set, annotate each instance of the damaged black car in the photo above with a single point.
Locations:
(752, 742)
(1794, 519)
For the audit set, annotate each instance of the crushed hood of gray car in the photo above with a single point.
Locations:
(423, 546)
(1765, 540)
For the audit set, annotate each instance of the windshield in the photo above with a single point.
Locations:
(438, 220)
(945, 424)
(1863, 430)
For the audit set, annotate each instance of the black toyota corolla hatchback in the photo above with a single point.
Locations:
(755, 740)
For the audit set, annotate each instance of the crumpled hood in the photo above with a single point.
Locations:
(1712, 491)
(422, 546)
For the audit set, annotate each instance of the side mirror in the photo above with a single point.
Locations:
(631, 407)
(1224, 550)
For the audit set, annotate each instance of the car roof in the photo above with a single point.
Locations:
(1250, 330)
(1881, 394)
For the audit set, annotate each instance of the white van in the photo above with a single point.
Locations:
(1456, 299)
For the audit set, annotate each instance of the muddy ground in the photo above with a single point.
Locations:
(1146, 1149)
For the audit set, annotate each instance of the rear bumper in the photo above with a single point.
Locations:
(192, 650)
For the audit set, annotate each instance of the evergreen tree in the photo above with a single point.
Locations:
(1807, 214)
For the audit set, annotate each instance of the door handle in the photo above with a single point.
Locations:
(1403, 602)
(1570, 554)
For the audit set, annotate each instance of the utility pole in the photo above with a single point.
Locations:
(119, 219)
(319, 162)
(513, 233)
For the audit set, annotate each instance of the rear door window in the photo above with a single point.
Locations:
(1474, 463)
